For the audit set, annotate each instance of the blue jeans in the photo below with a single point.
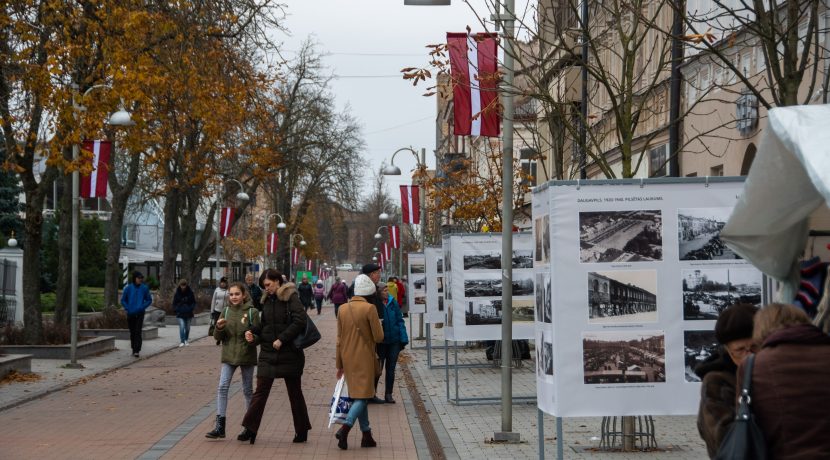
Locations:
(184, 329)
(359, 411)
(388, 354)
(225, 383)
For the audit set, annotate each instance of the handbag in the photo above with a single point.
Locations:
(309, 336)
(340, 403)
(744, 440)
(378, 367)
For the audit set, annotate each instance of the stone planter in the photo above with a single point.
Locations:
(200, 319)
(19, 363)
(147, 333)
(86, 348)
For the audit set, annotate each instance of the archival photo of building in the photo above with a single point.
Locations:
(620, 236)
(624, 357)
(708, 291)
(628, 296)
(699, 234)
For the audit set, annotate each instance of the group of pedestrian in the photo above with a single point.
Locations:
(788, 380)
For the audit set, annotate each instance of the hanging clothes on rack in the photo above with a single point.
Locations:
(811, 287)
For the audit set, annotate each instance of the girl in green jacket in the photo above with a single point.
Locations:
(239, 316)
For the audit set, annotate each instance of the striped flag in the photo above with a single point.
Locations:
(387, 251)
(308, 265)
(295, 256)
(395, 236)
(475, 78)
(94, 185)
(226, 222)
(380, 259)
(410, 205)
(272, 243)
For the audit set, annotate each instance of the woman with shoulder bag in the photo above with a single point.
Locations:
(283, 319)
(395, 339)
(184, 302)
(235, 320)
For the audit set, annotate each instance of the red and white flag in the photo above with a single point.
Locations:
(272, 243)
(295, 256)
(475, 78)
(95, 184)
(380, 259)
(410, 205)
(226, 222)
(308, 265)
(395, 236)
(387, 251)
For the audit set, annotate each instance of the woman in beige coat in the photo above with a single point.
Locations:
(358, 331)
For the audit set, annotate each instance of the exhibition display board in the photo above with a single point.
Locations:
(638, 276)
(473, 280)
(435, 285)
(416, 283)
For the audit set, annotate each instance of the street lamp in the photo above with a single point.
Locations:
(291, 250)
(241, 196)
(280, 226)
(393, 170)
(119, 118)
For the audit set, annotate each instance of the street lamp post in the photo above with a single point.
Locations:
(291, 250)
(119, 118)
(280, 226)
(241, 196)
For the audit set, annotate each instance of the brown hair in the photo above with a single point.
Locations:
(246, 296)
(776, 316)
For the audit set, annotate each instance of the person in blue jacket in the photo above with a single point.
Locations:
(395, 339)
(135, 299)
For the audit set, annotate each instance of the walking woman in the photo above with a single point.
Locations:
(184, 302)
(395, 339)
(283, 319)
(358, 331)
(319, 295)
(237, 318)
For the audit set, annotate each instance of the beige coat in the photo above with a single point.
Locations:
(357, 323)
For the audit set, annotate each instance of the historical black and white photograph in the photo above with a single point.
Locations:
(697, 346)
(622, 296)
(522, 258)
(699, 234)
(620, 236)
(482, 260)
(541, 232)
(544, 310)
(708, 291)
(547, 356)
(490, 284)
(447, 259)
(480, 312)
(440, 265)
(417, 268)
(624, 357)
(449, 314)
(439, 281)
(440, 303)
(537, 239)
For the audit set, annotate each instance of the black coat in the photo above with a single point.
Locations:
(256, 295)
(184, 303)
(288, 361)
(306, 293)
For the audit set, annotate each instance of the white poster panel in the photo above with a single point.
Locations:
(435, 285)
(476, 286)
(543, 304)
(638, 279)
(416, 283)
(446, 257)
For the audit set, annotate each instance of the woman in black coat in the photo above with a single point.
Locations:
(184, 302)
(278, 357)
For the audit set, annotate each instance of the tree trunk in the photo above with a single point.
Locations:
(33, 223)
(63, 285)
(167, 276)
(112, 276)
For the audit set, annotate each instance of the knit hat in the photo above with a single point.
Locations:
(369, 268)
(138, 274)
(363, 286)
(735, 323)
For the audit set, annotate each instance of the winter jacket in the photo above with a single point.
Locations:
(219, 300)
(401, 293)
(136, 298)
(235, 349)
(184, 302)
(319, 291)
(358, 332)
(790, 392)
(338, 294)
(288, 361)
(717, 399)
(394, 328)
(256, 295)
(306, 294)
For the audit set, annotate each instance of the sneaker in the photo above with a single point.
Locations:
(181, 344)
(135, 355)
(186, 343)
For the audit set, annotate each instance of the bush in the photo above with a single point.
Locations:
(89, 300)
(110, 318)
(152, 283)
(53, 334)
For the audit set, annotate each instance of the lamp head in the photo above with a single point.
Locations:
(383, 217)
(377, 236)
(374, 249)
(391, 170)
(374, 258)
(121, 118)
(302, 243)
(281, 226)
(242, 196)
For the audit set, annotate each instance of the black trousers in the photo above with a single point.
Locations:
(299, 411)
(135, 322)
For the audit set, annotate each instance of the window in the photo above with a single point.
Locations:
(528, 162)
(716, 170)
(746, 64)
(760, 62)
(657, 160)
(746, 112)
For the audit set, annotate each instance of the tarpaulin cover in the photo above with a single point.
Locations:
(789, 179)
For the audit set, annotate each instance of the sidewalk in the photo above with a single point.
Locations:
(162, 404)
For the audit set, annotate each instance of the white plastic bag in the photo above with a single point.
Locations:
(340, 402)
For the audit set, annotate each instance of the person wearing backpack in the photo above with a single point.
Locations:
(237, 318)
(319, 295)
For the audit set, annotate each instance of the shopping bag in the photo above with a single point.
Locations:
(340, 403)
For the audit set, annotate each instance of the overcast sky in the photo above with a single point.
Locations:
(367, 42)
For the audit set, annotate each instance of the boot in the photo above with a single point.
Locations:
(342, 436)
(389, 399)
(367, 440)
(219, 430)
(247, 435)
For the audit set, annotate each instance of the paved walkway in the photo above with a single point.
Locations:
(161, 405)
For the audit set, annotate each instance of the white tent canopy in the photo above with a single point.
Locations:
(789, 179)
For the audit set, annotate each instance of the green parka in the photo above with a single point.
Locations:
(235, 349)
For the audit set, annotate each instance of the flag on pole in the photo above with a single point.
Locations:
(226, 222)
(410, 205)
(387, 251)
(94, 185)
(475, 78)
(272, 243)
(295, 256)
(308, 265)
(380, 259)
(395, 236)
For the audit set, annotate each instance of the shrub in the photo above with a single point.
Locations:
(53, 334)
(152, 283)
(89, 300)
(110, 318)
